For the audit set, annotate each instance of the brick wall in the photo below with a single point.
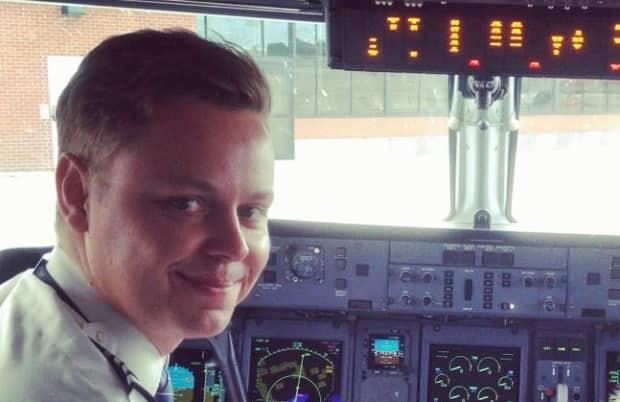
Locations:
(29, 33)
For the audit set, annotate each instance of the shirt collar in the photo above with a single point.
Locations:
(107, 326)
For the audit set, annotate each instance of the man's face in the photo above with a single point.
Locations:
(177, 223)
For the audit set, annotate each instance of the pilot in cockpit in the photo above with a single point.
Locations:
(164, 180)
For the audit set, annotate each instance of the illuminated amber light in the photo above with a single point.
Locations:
(496, 37)
(454, 44)
(534, 65)
(393, 23)
(556, 44)
(413, 54)
(516, 34)
(617, 28)
(373, 47)
(578, 39)
(414, 23)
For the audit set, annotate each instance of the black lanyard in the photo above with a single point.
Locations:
(122, 371)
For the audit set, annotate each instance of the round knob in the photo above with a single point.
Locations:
(427, 277)
(550, 282)
(406, 276)
(528, 281)
(405, 300)
(427, 300)
(549, 306)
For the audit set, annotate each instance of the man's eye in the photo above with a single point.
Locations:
(186, 204)
(252, 212)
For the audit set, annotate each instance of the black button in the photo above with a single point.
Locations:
(447, 296)
(448, 274)
(487, 305)
(269, 276)
(506, 284)
(341, 284)
(489, 258)
(448, 289)
(467, 258)
(341, 251)
(593, 278)
(341, 264)
(448, 281)
(448, 304)
(487, 291)
(505, 306)
(450, 257)
(507, 259)
(488, 282)
(506, 275)
(487, 298)
(362, 269)
(488, 275)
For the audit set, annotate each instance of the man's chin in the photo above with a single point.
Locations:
(210, 324)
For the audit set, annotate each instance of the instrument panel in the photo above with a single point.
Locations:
(367, 314)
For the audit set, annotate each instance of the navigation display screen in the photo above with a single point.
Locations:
(613, 376)
(194, 379)
(474, 39)
(295, 370)
(460, 373)
(385, 352)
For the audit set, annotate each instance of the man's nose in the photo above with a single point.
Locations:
(228, 240)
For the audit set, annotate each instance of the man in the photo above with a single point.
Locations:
(164, 180)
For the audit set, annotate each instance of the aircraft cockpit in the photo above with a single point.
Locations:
(446, 227)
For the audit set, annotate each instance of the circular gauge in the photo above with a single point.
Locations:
(442, 380)
(459, 394)
(305, 263)
(460, 364)
(489, 366)
(506, 383)
(300, 375)
(487, 394)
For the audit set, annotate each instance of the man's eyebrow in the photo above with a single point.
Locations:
(266, 196)
(206, 187)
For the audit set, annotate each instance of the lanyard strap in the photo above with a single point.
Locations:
(120, 368)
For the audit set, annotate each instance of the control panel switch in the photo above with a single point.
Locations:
(549, 306)
(528, 281)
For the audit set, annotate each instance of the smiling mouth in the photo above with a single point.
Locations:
(206, 285)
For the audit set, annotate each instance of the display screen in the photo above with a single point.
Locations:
(460, 373)
(474, 39)
(613, 376)
(385, 352)
(295, 370)
(193, 376)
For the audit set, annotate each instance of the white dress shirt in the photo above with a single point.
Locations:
(46, 352)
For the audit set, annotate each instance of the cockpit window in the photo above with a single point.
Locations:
(355, 147)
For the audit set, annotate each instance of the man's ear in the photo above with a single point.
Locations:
(72, 191)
